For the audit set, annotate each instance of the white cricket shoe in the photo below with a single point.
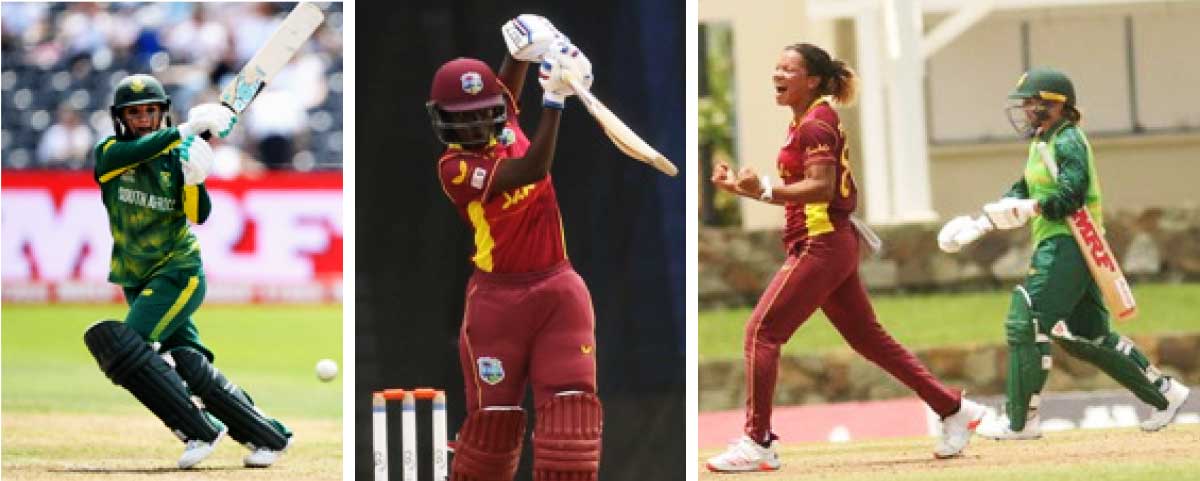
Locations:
(745, 455)
(1176, 395)
(196, 450)
(957, 429)
(264, 457)
(997, 427)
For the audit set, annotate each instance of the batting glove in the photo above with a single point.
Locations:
(962, 230)
(1010, 212)
(215, 118)
(528, 37)
(196, 159)
(561, 62)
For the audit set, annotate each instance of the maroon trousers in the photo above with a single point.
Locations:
(825, 275)
(535, 327)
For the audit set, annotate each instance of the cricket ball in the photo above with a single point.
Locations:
(326, 370)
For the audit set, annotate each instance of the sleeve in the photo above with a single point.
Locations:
(196, 204)
(464, 178)
(815, 142)
(1072, 181)
(114, 157)
(1019, 190)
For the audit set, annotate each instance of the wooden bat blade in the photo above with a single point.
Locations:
(624, 138)
(1101, 261)
(270, 59)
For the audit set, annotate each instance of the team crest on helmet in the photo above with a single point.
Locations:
(490, 370)
(137, 85)
(507, 137)
(472, 82)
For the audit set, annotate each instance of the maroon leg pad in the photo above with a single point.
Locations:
(566, 438)
(489, 445)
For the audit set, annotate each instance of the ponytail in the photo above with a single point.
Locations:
(837, 78)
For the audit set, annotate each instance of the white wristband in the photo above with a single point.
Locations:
(767, 192)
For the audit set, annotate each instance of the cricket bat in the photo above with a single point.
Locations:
(1100, 259)
(621, 135)
(270, 59)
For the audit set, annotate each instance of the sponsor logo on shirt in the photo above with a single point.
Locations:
(517, 195)
(477, 177)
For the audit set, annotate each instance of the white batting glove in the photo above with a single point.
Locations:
(215, 118)
(562, 61)
(196, 160)
(1010, 212)
(960, 231)
(529, 36)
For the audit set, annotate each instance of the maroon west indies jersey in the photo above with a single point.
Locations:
(818, 138)
(515, 231)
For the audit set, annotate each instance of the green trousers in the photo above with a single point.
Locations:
(161, 309)
(1060, 302)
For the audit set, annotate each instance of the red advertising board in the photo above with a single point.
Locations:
(276, 237)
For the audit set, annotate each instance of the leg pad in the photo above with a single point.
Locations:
(489, 445)
(226, 401)
(566, 439)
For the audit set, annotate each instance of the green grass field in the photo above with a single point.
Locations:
(1078, 455)
(926, 320)
(60, 412)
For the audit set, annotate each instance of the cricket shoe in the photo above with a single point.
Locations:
(196, 450)
(957, 429)
(1176, 394)
(264, 457)
(1000, 429)
(745, 455)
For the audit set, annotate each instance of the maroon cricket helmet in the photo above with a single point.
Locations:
(466, 85)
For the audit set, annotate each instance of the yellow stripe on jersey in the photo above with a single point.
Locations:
(110, 175)
(462, 173)
(816, 219)
(191, 202)
(484, 243)
(181, 301)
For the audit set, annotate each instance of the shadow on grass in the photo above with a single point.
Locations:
(158, 470)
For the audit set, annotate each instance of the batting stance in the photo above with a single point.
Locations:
(1059, 301)
(151, 178)
(528, 316)
(818, 193)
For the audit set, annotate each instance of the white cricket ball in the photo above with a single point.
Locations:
(326, 369)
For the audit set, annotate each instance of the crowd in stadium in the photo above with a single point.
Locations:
(62, 61)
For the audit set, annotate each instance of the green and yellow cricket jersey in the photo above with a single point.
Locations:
(141, 183)
(1077, 184)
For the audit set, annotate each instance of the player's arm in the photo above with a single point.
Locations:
(116, 156)
(512, 75)
(516, 172)
(196, 204)
(818, 184)
(1072, 182)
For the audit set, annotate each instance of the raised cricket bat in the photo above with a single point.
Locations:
(621, 135)
(1100, 259)
(270, 59)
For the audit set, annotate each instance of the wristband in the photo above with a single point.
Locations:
(767, 192)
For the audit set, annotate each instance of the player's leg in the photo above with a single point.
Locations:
(793, 294)
(562, 370)
(1086, 334)
(130, 362)
(266, 437)
(155, 311)
(492, 348)
(850, 311)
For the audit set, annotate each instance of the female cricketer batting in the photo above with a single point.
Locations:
(528, 316)
(151, 178)
(1059, 301)
(818, 193)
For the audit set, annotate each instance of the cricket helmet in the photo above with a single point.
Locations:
(466, 103)
(1046, 84)
(1034, 90)
(138, 89)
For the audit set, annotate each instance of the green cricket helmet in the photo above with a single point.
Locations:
(138, 89)
(1044, 85)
